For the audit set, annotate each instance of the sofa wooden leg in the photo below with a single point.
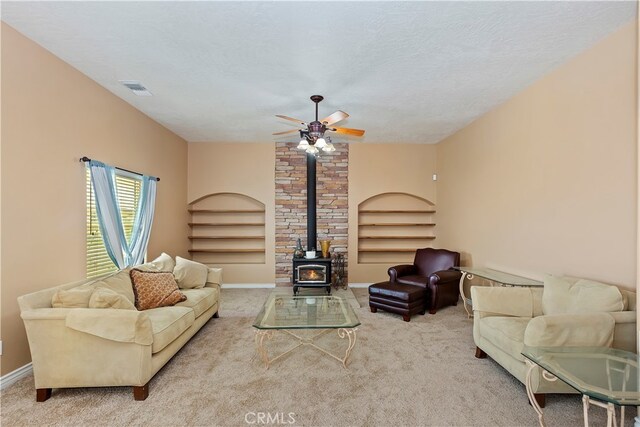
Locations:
(541, 398)
(42, 394)
(406, 317)
(141, 392)
(216, 314)
(480, 354)
(373, 309)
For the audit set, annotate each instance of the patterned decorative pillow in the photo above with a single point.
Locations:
(154, 289)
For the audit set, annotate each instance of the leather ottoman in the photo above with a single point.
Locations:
(398, 298)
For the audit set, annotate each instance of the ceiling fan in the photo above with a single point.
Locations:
(313, 136)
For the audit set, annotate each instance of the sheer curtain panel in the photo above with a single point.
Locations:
(122, 253)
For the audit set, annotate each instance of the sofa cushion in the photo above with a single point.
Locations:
(200, 300)
(72, 298)
(565, 295)
(107, 298)
(414, 280)
(190, 274)
(119, 282)
(574, 330)
(168, 323)
(507, 333)
(154, 289)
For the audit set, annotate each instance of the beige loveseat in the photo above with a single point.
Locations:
(97, 347)
(508, 318)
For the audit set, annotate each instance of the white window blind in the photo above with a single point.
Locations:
(128, 194)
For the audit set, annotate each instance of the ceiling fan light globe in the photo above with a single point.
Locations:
(312, 150)
(303, 145)
(329, 148)
(321, 143)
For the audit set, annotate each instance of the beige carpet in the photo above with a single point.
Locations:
(401, 374)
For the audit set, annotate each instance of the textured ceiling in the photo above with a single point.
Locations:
(405, 71)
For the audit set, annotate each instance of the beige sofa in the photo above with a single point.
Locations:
(98, 347)
(508, 318)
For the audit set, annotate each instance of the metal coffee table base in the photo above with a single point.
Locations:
(261, 334)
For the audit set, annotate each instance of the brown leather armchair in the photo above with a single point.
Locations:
(431, 269)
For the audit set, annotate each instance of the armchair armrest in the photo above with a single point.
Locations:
(622, 317)
(46, 313)
(577, 330)
(214, 277)
(401, 270)
(501, 301)
(445, 276)
(624, 332)
(112, 324)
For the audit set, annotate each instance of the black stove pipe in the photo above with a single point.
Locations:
(311, 202)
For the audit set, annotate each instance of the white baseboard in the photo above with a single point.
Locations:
(359, 285)
(248, 285)
(14, 376)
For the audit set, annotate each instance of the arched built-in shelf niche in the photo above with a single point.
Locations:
(391, 226)
(227, 228)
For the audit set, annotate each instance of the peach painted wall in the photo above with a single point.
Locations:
(386, 168)
(546, 182)
(238, 168)
(52, 115)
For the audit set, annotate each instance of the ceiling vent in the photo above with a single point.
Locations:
(136, 87)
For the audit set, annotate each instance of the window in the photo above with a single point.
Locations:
(128, 194)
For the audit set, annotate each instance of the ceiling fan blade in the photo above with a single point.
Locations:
(291, 119)
(286, 132)
(334, 118)
(347, 131)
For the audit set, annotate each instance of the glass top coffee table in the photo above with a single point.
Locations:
(287, 313)
(605, 376)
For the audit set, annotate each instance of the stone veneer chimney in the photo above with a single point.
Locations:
(291, 203)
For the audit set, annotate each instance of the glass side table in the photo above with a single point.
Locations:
(492, 277)
(605, 377)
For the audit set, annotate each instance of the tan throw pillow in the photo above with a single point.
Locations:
(164, 263)
(190, 274)
(72, 298)
(569, 295)
(106, 298)
(154, 289)
(119, 282)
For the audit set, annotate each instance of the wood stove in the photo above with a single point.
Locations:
(311, 273)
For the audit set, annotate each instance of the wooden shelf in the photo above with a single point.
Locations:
(226, 237)
(387, 250)
(397, 237)
(226, 211)
(398, 224)
(223, 224)
(224, 251)
(398, 211)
